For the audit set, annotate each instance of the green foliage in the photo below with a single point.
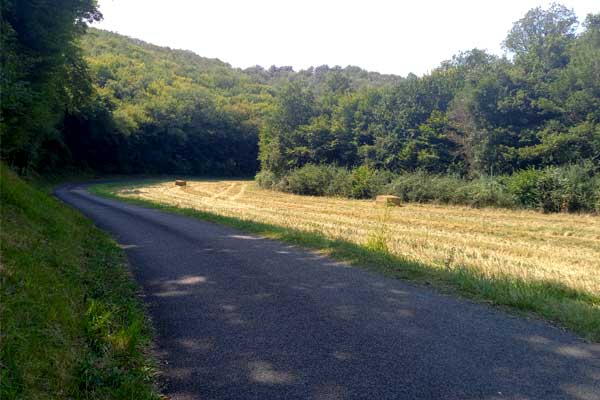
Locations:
(367, 182)
(570, 188)
(421, 187)
(157, 110)
(542, 36)
(340, 182)
(424, 188)
(489, 192)
(171, 111)
(42, 75)
(72, 324)
(475, 115)
(165, 111)
(328, 180)
(309, 179)
(266, 179)
(316, 180)
(525, 186)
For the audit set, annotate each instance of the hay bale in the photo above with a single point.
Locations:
(180, 183)
(388, 200)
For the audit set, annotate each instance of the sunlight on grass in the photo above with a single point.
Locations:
(563, 248)
(72, 324)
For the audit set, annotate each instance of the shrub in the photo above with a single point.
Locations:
(340, 183)
(317, 180)
(446, 189)
(568, 188)
(577, 187)
(525, 188)
(367, 182)
(267, 179)
(412, 187)
(423, 188)
(489, 192)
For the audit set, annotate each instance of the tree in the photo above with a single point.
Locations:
(542, 36)
(43, 74)
(294, 107)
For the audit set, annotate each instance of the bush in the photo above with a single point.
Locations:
(317, 180)
(409, 187)
(340, 183)
(421, 187)
(267, 179)
(367, 182)
(569, 188)
(424, 188)
(489, 192)
(578, 187)
(329, 180)
(525, 188)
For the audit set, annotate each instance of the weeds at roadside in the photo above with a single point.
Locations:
(378, 238)
(73, 326)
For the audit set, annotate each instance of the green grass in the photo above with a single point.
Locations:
(72, 323)
(575, 310)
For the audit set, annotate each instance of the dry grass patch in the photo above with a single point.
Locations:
(564, 248)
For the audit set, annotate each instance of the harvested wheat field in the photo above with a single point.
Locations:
(562, 248)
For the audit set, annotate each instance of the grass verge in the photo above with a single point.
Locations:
(573, 309)
(72, 323)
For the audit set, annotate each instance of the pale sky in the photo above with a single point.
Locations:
(386, 36)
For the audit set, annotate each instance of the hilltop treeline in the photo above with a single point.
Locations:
(111, 103)
(117, 104)
(171, 111)
(474, 115)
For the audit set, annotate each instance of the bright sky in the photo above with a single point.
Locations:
(391, 36)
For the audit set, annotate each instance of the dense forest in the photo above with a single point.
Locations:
(475, 114)
(173, 111)
(132, 107)
(78, 97)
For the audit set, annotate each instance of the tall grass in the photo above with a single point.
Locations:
(72, 324)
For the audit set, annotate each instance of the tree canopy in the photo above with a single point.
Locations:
(476, 114)
(91, 98)
(43, 74)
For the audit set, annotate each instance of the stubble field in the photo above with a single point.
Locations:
(533, 246)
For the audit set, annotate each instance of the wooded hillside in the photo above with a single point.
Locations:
(477, 114)
(116, 104)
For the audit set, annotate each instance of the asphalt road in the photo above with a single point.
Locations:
(241, 317)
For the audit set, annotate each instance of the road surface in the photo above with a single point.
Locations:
(242, 317)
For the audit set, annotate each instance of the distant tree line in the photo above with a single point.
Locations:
(78, 97)
(170, 111)
(475, 115)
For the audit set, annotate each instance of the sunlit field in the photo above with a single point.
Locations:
(531, 246)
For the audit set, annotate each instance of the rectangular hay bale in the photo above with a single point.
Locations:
(388, 200)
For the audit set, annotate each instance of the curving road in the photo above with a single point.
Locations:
(241, 317)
